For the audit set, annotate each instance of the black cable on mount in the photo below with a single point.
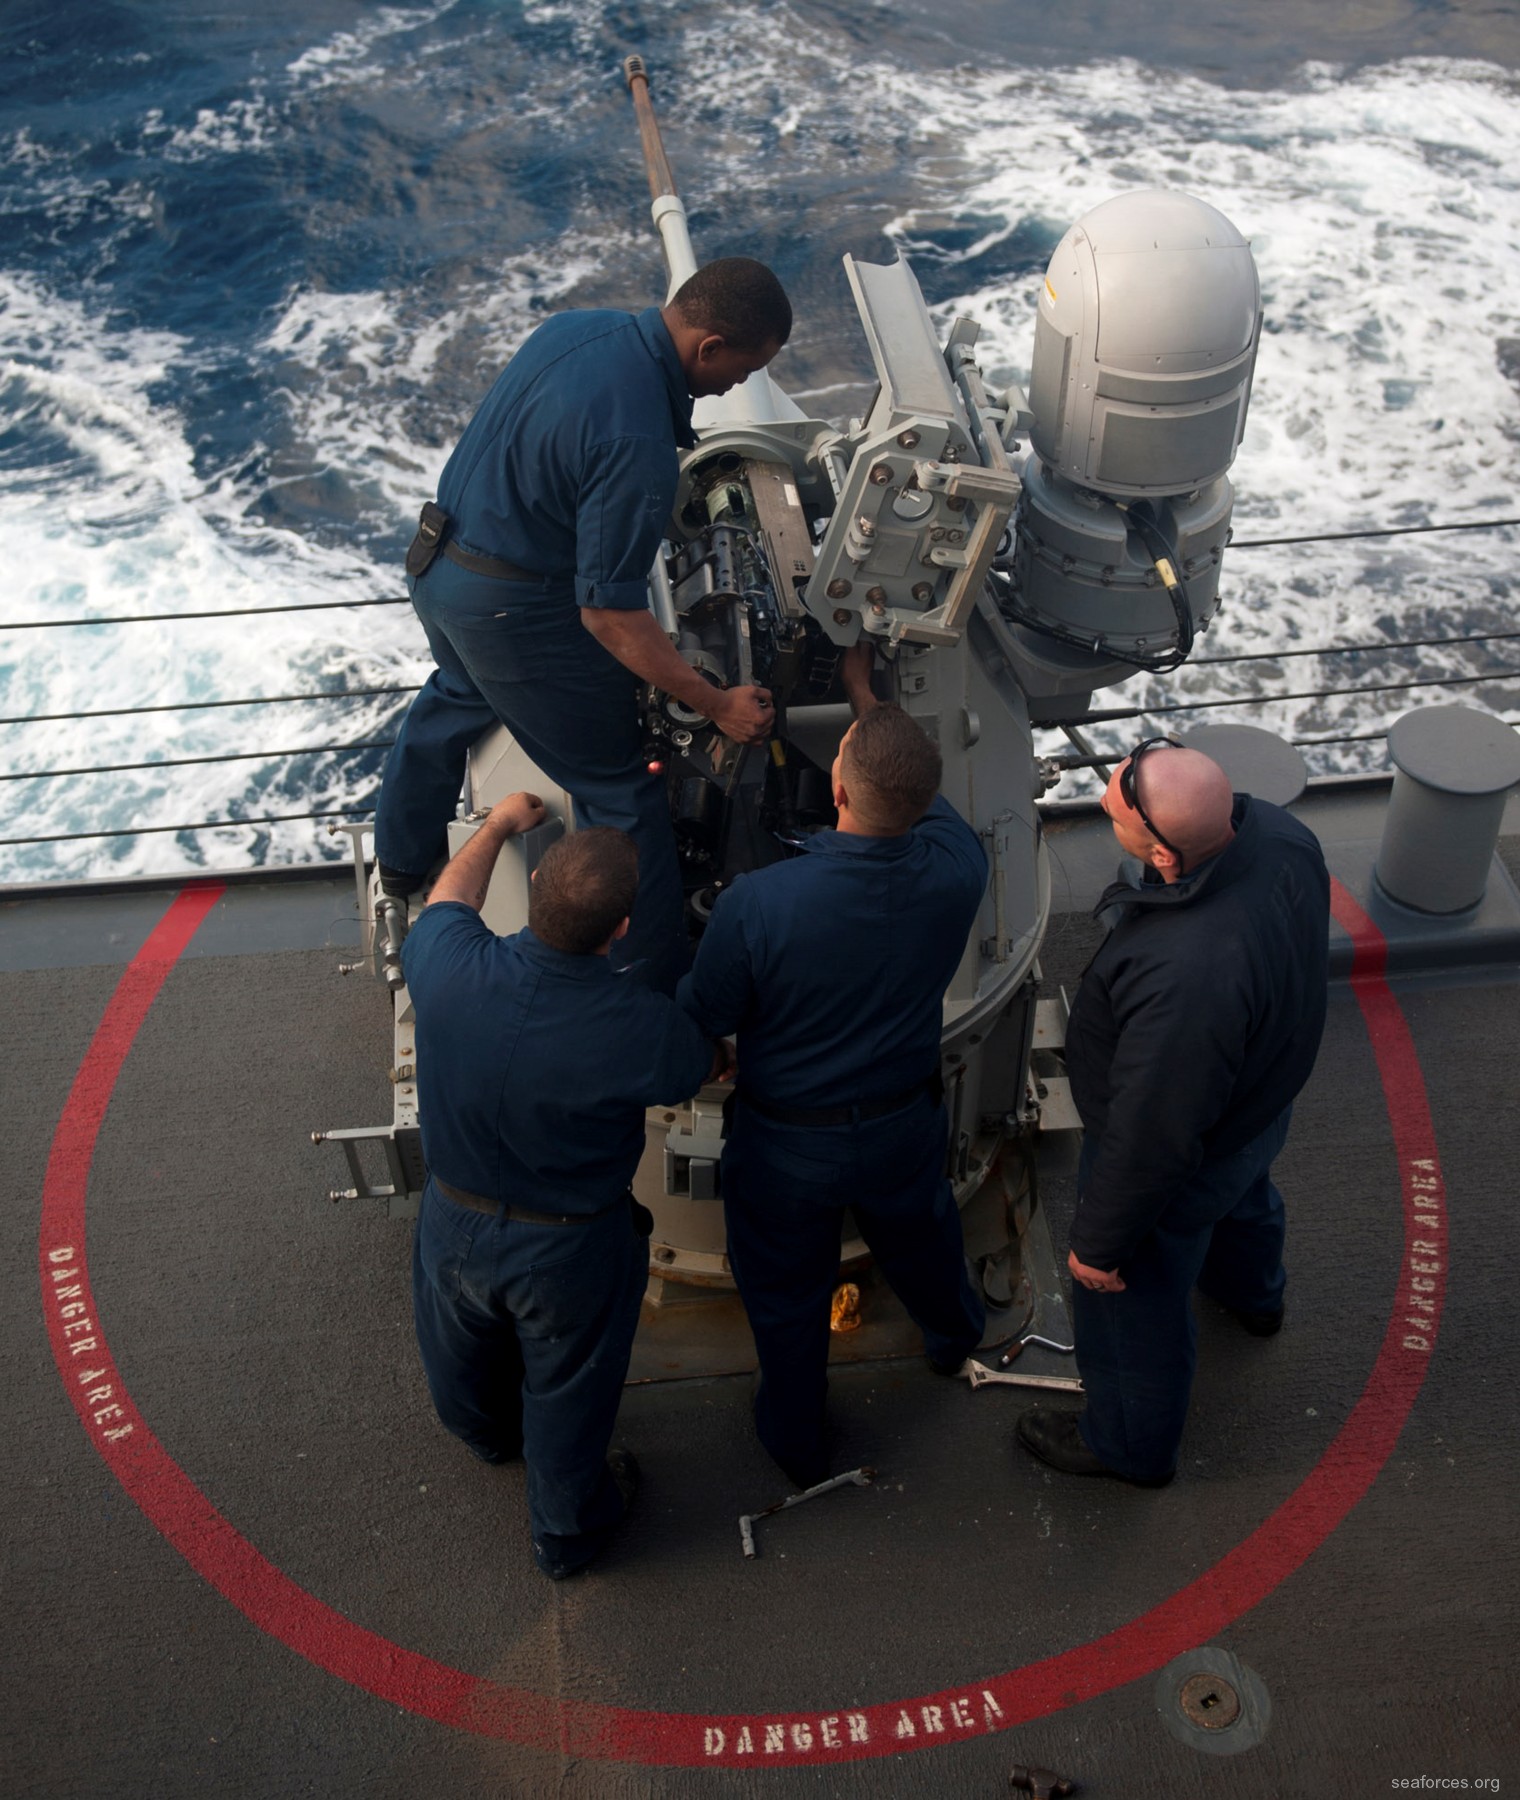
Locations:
(1142, 517)
(1146, 520)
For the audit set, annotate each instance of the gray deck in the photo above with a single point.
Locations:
(265, 1338)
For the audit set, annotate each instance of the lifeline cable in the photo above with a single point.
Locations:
(69, 837)
(1471, 637)
(1195, 662)
(183, 762)
(1337, 537)
(123, 712)
(1112, 714)
(238, 612)
(226, 612)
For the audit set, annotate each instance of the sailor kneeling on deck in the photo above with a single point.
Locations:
(536, 1062)
(832, 968)
(1195, 1026)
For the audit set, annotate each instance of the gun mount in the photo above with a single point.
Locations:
(1001, 592)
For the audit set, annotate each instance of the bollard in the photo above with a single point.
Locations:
(1453, 768)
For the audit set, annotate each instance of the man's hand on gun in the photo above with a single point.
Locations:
(744, 714)
(855, 668)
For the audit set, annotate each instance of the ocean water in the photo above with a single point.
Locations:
(256, 272)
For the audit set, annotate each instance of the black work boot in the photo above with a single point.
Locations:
(395, 884)
(1056, 1440)
(624, 1470)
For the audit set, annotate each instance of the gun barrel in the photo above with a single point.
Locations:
(661, 181)
(668, 212)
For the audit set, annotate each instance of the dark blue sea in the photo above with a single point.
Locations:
(259, 263)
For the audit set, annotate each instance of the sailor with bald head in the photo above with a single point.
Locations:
(1194, 1027)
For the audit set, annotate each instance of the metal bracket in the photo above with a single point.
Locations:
(914, 502)
(403, 1156)
(999, 947)
(693, 1149)
(356, 834)
(1049, 1087)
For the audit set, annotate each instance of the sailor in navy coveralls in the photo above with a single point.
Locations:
(832, 968)
(529, 577)
(535, 1063)
(1195, 1025)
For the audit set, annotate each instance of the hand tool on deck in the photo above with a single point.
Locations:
(862, 1477)
(979, 1375)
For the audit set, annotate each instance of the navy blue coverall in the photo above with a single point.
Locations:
(1195, 1025)
(568, 469)
(831, 968)
(534, 1070)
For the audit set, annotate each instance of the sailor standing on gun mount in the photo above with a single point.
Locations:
(530, 579)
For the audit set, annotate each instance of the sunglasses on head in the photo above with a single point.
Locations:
(1129, 786)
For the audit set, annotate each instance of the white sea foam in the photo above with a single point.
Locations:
(1383, 211)
(131, 528)
(235, 130)
(374, 357)
(345, 58)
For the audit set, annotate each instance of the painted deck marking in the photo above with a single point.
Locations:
(273, 1602)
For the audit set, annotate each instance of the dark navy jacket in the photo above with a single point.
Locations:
(534, 1067)
(569, 467)
(1197, 1021)
(832, 966)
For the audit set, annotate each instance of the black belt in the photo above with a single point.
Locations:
(433, 539)
(487, 565)
(500, 1209)
(846, 1115)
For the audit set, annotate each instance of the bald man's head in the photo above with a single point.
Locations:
(1187, 799)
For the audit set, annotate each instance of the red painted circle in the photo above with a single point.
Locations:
(1246, 1575)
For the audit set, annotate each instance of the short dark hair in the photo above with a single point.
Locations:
(891, 768)
(738, 300)
(583, 889)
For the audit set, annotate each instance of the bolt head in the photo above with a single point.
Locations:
(956, 502)
(881, 474)
(922, 590)
(838, 589)
(876, 594)
(842, 615)
(1209, 1701)
(908, 439)
(866, 527)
